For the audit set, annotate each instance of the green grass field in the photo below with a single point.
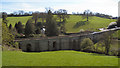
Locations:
(13, 20)
(61, 58)
(57, 58)
(93, 24)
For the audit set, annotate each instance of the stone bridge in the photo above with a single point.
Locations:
(71, 42)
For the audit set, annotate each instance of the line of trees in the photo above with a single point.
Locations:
(88, 13)
(20, 13)
(62, 12)
(34, 26)
(7, 36)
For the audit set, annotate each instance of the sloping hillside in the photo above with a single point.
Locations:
(13, 20)
(93, 24)
(74, 23)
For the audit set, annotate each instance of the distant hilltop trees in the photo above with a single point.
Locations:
(61, 12)
(20, 13)
(90, 13)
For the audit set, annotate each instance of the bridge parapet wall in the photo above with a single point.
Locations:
(58, 43)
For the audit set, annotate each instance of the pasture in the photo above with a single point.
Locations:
(93, 24)
(73, 23)
(13, 20)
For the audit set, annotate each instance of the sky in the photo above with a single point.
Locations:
(109, 7)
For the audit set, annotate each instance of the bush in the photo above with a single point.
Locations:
(15, 45)
(100, 47)
(86, 44)
(113, 52)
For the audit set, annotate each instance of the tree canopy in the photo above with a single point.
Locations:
(7, 37)
(87, 14)
(29, 28)
(51, 25)
(20, 27)
(4, 16)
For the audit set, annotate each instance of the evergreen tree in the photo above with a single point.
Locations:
(39, 25)
(29, 28)
(20, 27)
(7, 37)
(16, 26)
(51, 26)
(4, 17)
(10, 27)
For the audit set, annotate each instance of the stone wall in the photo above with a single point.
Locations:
(59, 43)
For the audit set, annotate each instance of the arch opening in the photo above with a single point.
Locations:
(54, 45)
(19, 45)
(29, 48)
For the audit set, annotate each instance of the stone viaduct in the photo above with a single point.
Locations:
(71, 42)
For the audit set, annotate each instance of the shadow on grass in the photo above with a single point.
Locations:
(80, 23)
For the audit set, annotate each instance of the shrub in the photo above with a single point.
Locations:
(100, 47)
(15, 45)
(86, 44)
(113, 52)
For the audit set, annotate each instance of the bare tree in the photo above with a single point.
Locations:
(15, 13)
(62, 14)
(87, 14)
(49, 8)
(21, 12)
(30, 12)
(42, 16)
(35, 16)
(106, 39)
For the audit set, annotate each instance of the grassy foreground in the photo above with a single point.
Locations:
(57, 58)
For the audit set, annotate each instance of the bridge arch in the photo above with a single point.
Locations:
(54, 45)
(19, 45)
(28, 48)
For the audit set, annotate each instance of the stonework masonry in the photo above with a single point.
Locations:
(59, 43)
